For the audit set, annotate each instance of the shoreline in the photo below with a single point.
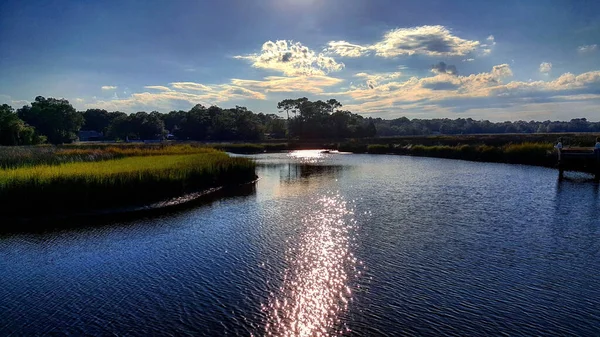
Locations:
(540, 154)
(534, 154)
(109, 215)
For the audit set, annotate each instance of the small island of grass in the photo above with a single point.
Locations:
(43, 180)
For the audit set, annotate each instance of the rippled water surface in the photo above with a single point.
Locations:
(327, 244)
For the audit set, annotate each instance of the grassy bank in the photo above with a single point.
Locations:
(541, 154)
(22, 156)
(121, 182)
(501, 149)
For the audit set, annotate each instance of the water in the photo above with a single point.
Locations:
(327, 244)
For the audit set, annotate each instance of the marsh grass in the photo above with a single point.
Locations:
(378, 149)
(23, 156)
(117, 183)
(530, 153)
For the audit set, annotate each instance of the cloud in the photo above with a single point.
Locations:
(15, 103)
(190, 86)
(292, 59)
(468, 60)
(491, 40)
(180, 93)
(346, 49)
(375, 79)
(501, 71)
(423, 40)
(108, 87)
(426, 40)
(545, 67)
(158, 87)
(590, 48)
(443, 68)
(460, 93)
(309, 84)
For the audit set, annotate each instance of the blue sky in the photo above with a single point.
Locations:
(497, 60)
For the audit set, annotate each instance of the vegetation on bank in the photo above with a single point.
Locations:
(20, 156)
(56, 121)
(530, 153)
(117, 183)
(541, 154)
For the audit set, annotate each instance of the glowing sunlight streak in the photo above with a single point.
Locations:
(308, 156)
(316, 285)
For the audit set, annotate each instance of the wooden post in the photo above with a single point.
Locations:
(597, 166)
(561, 170)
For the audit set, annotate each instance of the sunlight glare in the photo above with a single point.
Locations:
(316, 290)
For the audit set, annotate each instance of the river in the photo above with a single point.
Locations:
(327, 244)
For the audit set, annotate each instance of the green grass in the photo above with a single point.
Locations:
(22, 156)
(378, 149)
(117, 183)
(243, 148)
(541, 154)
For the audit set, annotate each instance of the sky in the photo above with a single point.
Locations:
(495, 60)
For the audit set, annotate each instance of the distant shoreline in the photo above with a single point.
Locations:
(525, 149)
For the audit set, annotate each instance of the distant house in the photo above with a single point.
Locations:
(90, 136)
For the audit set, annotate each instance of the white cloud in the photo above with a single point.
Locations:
(158, 87)
(491, 40)
(444, 92)
(108, 87)
(590, 48)
(292, 59)
(375, 79)
(545, 67)
(190, 86)
(309, 84)
(501, 71)
(426, 40)
(422, 40)
(468, 60)
(190, 93)
(346, 49)
(15, 103)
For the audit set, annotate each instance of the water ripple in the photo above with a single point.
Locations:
(316, 283)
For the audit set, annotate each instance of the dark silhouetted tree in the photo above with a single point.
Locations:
(14, 131)
(54, 118)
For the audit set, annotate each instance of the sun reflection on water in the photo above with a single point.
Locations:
(309, 156)
(316, 285)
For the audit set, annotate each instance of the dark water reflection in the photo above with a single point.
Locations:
(327, 244)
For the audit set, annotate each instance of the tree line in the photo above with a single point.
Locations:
(407, 127)
(56, 121)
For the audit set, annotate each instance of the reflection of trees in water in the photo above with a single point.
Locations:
(302, 177)
(291, 173)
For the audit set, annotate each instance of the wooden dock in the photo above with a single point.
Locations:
(581, 159)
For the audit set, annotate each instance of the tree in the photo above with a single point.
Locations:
(96, 120)
(13, 131)
(54, 118)
(288, 105)
(174, 120)
(275, 125)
